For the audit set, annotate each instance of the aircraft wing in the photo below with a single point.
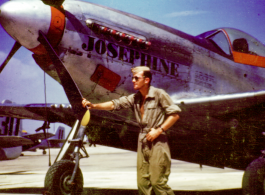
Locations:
(53, 143)
(37, 136)
(51, 112)
(221, 131)
(56, 141)
(221, 104)
(13, 141)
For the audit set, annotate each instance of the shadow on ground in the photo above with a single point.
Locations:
(95, 191)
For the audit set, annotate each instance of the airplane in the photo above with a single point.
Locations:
(216, 78)
(55, 141)
(11, 137)
(14, 140)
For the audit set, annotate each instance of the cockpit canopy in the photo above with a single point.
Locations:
(242, 47)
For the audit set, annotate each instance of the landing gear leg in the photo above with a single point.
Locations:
(69, 178)
(64, 176)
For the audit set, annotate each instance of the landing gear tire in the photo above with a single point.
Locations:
(253, 182)
(44, 152)
(57, 177)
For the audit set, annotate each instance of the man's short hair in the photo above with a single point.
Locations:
(139, 69)
(145, 69)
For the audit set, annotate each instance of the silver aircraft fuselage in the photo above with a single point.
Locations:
(181, 67)
(217, 77)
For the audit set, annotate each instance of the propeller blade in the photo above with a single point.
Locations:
(14, 49)
(55, 3)
(72, 91)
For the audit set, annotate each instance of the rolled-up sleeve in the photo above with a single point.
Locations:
(123, 102)
(168, 104)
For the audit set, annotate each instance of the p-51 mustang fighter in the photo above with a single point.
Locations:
(216, 78)
(14, 140)
(55, 141)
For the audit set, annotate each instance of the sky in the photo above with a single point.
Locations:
(22, 81)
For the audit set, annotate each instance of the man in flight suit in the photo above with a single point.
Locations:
(156, 113)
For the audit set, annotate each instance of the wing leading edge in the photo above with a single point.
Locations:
(51, 112)
(221, 104)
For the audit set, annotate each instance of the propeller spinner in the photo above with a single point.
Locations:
(19, 21)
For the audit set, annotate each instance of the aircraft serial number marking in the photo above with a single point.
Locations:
(204, 80)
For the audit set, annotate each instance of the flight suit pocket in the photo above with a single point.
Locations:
(152, 112)
(152, 105)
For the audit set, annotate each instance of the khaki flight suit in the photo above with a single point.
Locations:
(153, 158)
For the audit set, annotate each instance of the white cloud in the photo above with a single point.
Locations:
(184, 13)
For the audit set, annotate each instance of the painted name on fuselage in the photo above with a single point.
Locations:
(130, 56)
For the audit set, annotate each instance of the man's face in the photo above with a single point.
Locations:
(138, 80)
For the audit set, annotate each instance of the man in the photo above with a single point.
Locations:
(156, 113)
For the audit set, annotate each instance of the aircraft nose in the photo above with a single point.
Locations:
(22, 20)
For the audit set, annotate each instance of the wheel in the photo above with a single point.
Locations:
(58, 175)
(44, 152)
(253, 178)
